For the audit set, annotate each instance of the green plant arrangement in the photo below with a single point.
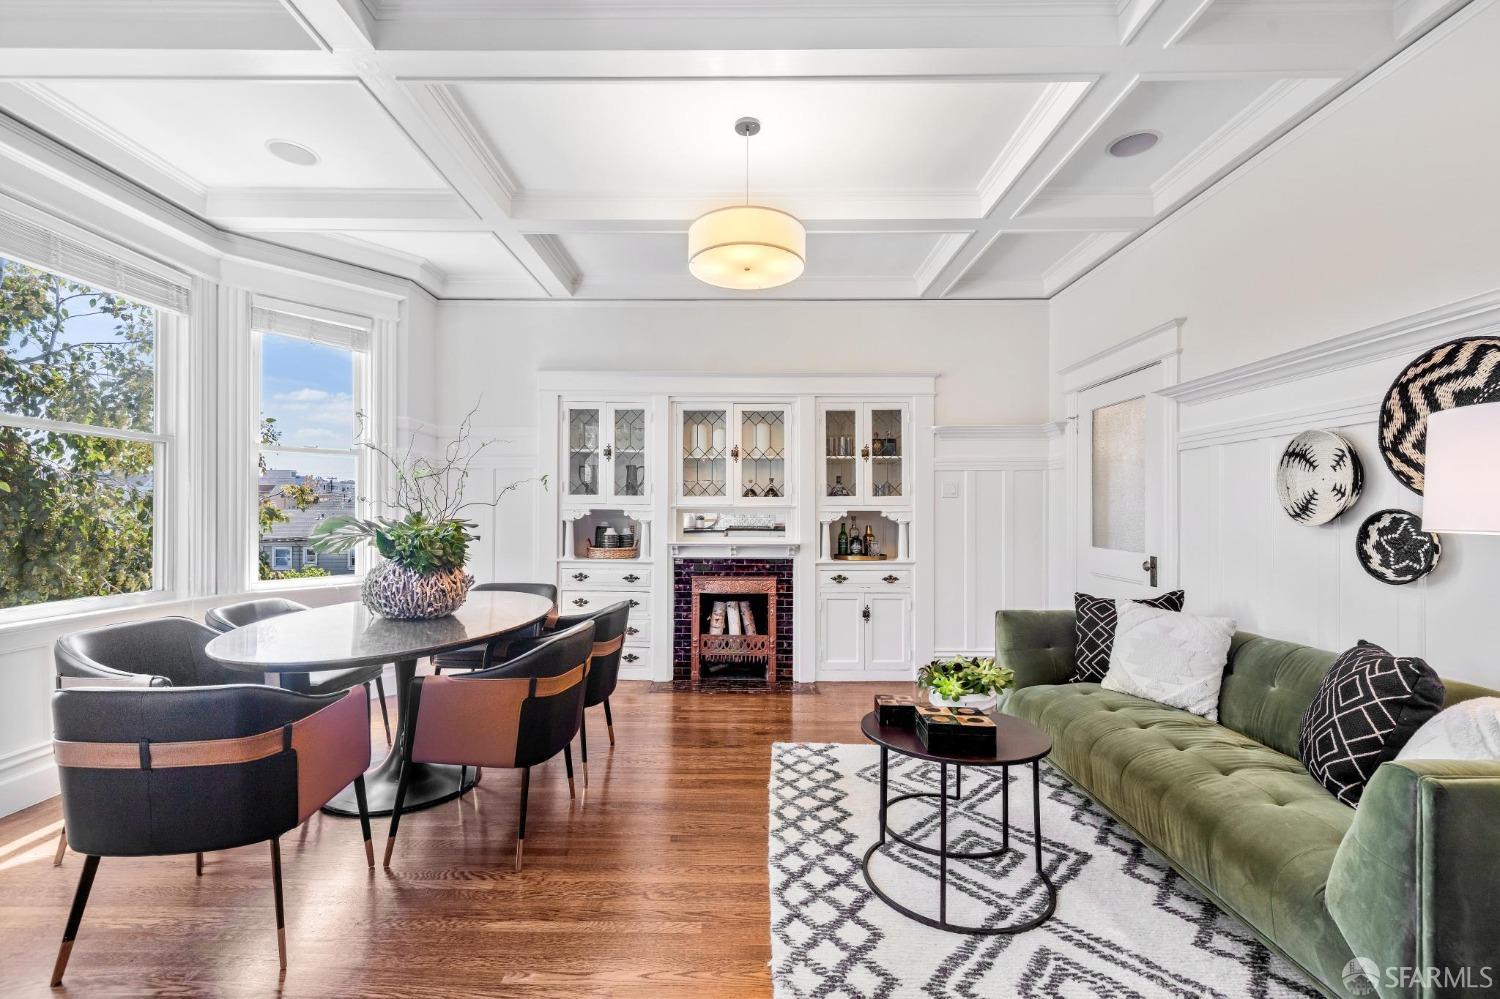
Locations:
(425, 544)
(950, 681)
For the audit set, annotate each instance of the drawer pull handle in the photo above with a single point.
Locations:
(866, 614)
(841, 578)
(631, 657)
(892, 579)
(632, 578)
(632, 631)
(580, 576)
(635, 603)
(580, 602)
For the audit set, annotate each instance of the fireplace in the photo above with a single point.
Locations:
(732, 624)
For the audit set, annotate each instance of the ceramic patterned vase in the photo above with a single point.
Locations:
(396, 592)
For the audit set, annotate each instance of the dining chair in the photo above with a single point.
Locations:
(604, 666)
(232, 616)
(472, 657)
(154, 771)
(159, 652)
(512, 721)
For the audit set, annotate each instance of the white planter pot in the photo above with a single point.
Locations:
(983, 702)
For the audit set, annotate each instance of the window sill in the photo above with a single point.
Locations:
(306, 583)
(78, 613)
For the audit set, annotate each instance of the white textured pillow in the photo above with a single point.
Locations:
(1470, 730)
(1169, 657)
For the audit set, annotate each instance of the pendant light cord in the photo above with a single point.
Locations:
(747, 169)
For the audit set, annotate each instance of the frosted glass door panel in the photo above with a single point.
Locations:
(630, 452)
(762, 453)
(887, 453)
(1119, 476)
(705, 449)
(583, 451)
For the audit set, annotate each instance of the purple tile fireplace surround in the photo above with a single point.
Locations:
(683, 571)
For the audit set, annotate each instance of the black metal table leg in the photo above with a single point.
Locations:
(1005, 808)
(943, 844)
(885, 755)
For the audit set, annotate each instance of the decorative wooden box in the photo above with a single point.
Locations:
(960, 731)
(896, 710)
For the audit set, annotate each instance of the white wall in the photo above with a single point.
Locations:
(1381, 207)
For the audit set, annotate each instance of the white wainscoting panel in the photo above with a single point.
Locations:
(1242, 556)
(992, 494)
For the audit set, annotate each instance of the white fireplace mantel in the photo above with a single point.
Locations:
(734, 549)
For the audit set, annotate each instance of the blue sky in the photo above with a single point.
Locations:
(309, 389)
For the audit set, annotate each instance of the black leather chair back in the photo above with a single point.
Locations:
(167, 650)
(232, 616)
(130, 807)
(609, 637)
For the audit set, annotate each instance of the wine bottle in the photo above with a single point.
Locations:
(869, 539)
(843, 548)
(856, 542)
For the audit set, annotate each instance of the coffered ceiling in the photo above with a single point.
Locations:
(560, 148)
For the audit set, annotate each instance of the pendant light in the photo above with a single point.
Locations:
(747, 247)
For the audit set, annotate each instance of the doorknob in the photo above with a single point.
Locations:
(1149, 567)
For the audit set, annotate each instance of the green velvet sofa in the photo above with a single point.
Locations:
(1409, 879)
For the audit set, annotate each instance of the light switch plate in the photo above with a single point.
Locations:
(950, 490)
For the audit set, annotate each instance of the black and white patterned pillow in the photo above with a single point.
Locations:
(1095, 622)
(1366, 708)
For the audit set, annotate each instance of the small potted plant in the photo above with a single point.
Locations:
(964, 682)
(424, 548)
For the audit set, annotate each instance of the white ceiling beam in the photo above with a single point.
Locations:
(280, 209)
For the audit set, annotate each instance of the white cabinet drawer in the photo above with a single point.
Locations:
(638, 628)
(882, 578)
(589, 601)
(602, 574)
(635, 655)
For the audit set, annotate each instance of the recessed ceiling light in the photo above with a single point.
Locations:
(1134, 144)
(292, 152)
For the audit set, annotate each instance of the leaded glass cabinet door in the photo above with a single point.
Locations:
(703, 443)
(626, 454)
(1121, 462)
(583, 449)
(883, 454)
(760, 455)
(841, 441)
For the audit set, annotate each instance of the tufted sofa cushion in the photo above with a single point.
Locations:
(1236, 815)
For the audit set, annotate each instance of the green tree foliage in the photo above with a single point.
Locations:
(76, 509)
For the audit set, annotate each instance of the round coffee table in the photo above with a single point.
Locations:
(1017, 743)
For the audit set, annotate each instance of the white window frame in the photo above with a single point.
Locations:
(309, 556)
(71, 246)
(345, 332)
(352, 565)
(281, 553)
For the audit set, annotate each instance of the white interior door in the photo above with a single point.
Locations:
(1122, 454)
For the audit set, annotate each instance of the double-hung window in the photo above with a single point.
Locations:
(312, 386)
(84, 451)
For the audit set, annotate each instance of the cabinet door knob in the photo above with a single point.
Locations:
(840, 578)
(580, 602)
(630, 657)
(609, 451)
(632, 631)
(734, 452)
(891, 579)
(866, 614)
(632, 578)
(580, 576)
(864, 452)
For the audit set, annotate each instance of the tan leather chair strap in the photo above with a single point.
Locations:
(611, 646)
(548, 686)
(147, 755)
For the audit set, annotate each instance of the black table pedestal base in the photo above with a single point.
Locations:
(944, 854)
(431, 783)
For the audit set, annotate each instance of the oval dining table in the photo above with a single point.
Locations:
(342, 636)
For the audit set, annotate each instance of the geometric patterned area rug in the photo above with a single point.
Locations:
(1126, 924)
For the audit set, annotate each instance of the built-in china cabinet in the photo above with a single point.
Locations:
(715, 473)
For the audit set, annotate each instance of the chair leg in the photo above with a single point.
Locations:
(583, 746)
(390, 839)
(609, 723)
(75, 916)
(463, 775)
(521, 832)
(478, 775)
(199, 862)
(568, 762)
(364, 819)
(280, 907)
(62, 847)
(385, 712)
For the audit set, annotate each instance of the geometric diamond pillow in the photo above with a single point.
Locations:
(1366, 708)
(1095, 617)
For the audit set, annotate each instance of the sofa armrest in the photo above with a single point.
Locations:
(1414, 884)
(1036, 645)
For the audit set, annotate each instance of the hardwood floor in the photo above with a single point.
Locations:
(652, 883)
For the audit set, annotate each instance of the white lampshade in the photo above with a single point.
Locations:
(1462, 476)
(747, 248)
